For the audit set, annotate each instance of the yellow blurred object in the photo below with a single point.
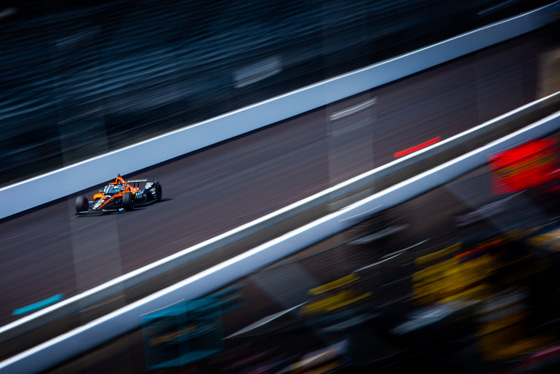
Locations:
(451, 279)
(470, 294)
(349, 301)
(478, 276)
(334, 295)
(344, 281)
(501, 324)
(438, 254)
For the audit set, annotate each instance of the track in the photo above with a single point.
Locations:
(50, 251)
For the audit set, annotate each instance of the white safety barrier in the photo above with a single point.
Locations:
(97, 332)
(31, 193)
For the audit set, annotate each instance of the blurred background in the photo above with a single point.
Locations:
(80, 79)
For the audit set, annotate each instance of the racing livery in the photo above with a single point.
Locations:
(121, 195)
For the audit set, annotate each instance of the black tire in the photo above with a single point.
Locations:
(159, 192)
(82, 204)
(150, 194)
(128, 201)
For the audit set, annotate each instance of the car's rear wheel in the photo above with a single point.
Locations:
(128, 201)
(81, 204)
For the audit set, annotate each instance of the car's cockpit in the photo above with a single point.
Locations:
(112, 189)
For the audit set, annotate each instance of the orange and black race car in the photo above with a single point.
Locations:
(121, 195)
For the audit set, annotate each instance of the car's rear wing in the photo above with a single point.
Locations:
(138, 182)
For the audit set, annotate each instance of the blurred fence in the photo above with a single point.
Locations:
(81, 79)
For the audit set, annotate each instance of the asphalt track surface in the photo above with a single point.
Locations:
(49, 251)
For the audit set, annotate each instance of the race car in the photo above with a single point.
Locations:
(121, 195)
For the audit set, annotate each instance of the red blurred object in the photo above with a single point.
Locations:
(526, 166)
(417, 147)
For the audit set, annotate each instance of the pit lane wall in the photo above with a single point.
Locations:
(31, 193)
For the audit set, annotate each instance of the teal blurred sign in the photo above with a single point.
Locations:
(183, 333)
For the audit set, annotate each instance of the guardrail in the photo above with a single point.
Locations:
(189, 274)
(31, 193)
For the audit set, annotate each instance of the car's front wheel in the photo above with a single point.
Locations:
(81, 204)
(128, 201)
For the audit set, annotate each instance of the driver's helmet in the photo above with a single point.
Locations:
(111, 189)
